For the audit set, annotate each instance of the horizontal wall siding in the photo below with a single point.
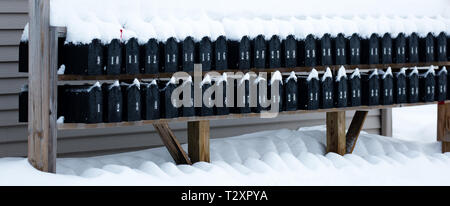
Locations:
(13, 135)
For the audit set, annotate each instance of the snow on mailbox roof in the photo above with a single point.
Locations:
(145, 19)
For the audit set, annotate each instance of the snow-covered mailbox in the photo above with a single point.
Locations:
(23, 104)
(150, 100)
(150, 57)
(131, 96)
(259, 47)
(340, 47)
(413, 86)
(85, 103)
(84, 59)
(112, 102)
(113, 57)
(131, 56)
(441, 47)
(309, 91)
(413, 48)
(188, 110)
(325, 50)
(355, 50)
(274, 49)
(23, 55)
(370, 85)
(289, 48)
(291, 93)
(399, 51)
(276, 78)
(262, 96)
(170, 56)
(207, 108)
(354, 89)
(168, 107)
(441, 85)
(307, 51)
(242, 95)
(188, 51)
(340, 89)
(205, 49)
(221, 53)
(386, 87)
(327, 90)
(400, 87)
(220, 95)
(426, 51)
(427, 84)
(386, 49)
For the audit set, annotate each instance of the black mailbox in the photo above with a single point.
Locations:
(399, 51)
(150, 101)
(327, 90)
(221, 53)
(354, 89)
(289, 48)
(187, 55)
(340, 47)
(309, 91)
(150, 57)
(112, 102)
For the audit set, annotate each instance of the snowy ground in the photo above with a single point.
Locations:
(282, 157)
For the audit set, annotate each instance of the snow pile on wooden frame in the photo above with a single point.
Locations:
(145, 19)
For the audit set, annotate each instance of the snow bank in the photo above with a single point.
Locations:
(280, 157)
(145, 19)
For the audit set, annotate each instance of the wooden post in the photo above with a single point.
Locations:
(355, 129)
(172, 144)
(443, 126)
(386, 122)
(198, 141)
(42, 89)
(336, 132)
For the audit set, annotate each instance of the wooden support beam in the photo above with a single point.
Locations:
(172, 144)
(198, 141)
(336, 132)
(386, 122)
(42, 88)
(355, 129)
(443, 126)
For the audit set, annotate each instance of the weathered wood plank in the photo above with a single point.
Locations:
(355, 129)
(41, 145)
(445, 147)
(336, 132)
(386, 122)
(198, 141)
(172, 144)
(395, 67)
(443, 126)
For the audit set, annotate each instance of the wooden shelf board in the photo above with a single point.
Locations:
(283, 70)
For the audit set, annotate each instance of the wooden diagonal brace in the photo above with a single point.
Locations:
(355, 129)
(172, 144)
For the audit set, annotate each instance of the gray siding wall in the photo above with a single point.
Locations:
(13, 135)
